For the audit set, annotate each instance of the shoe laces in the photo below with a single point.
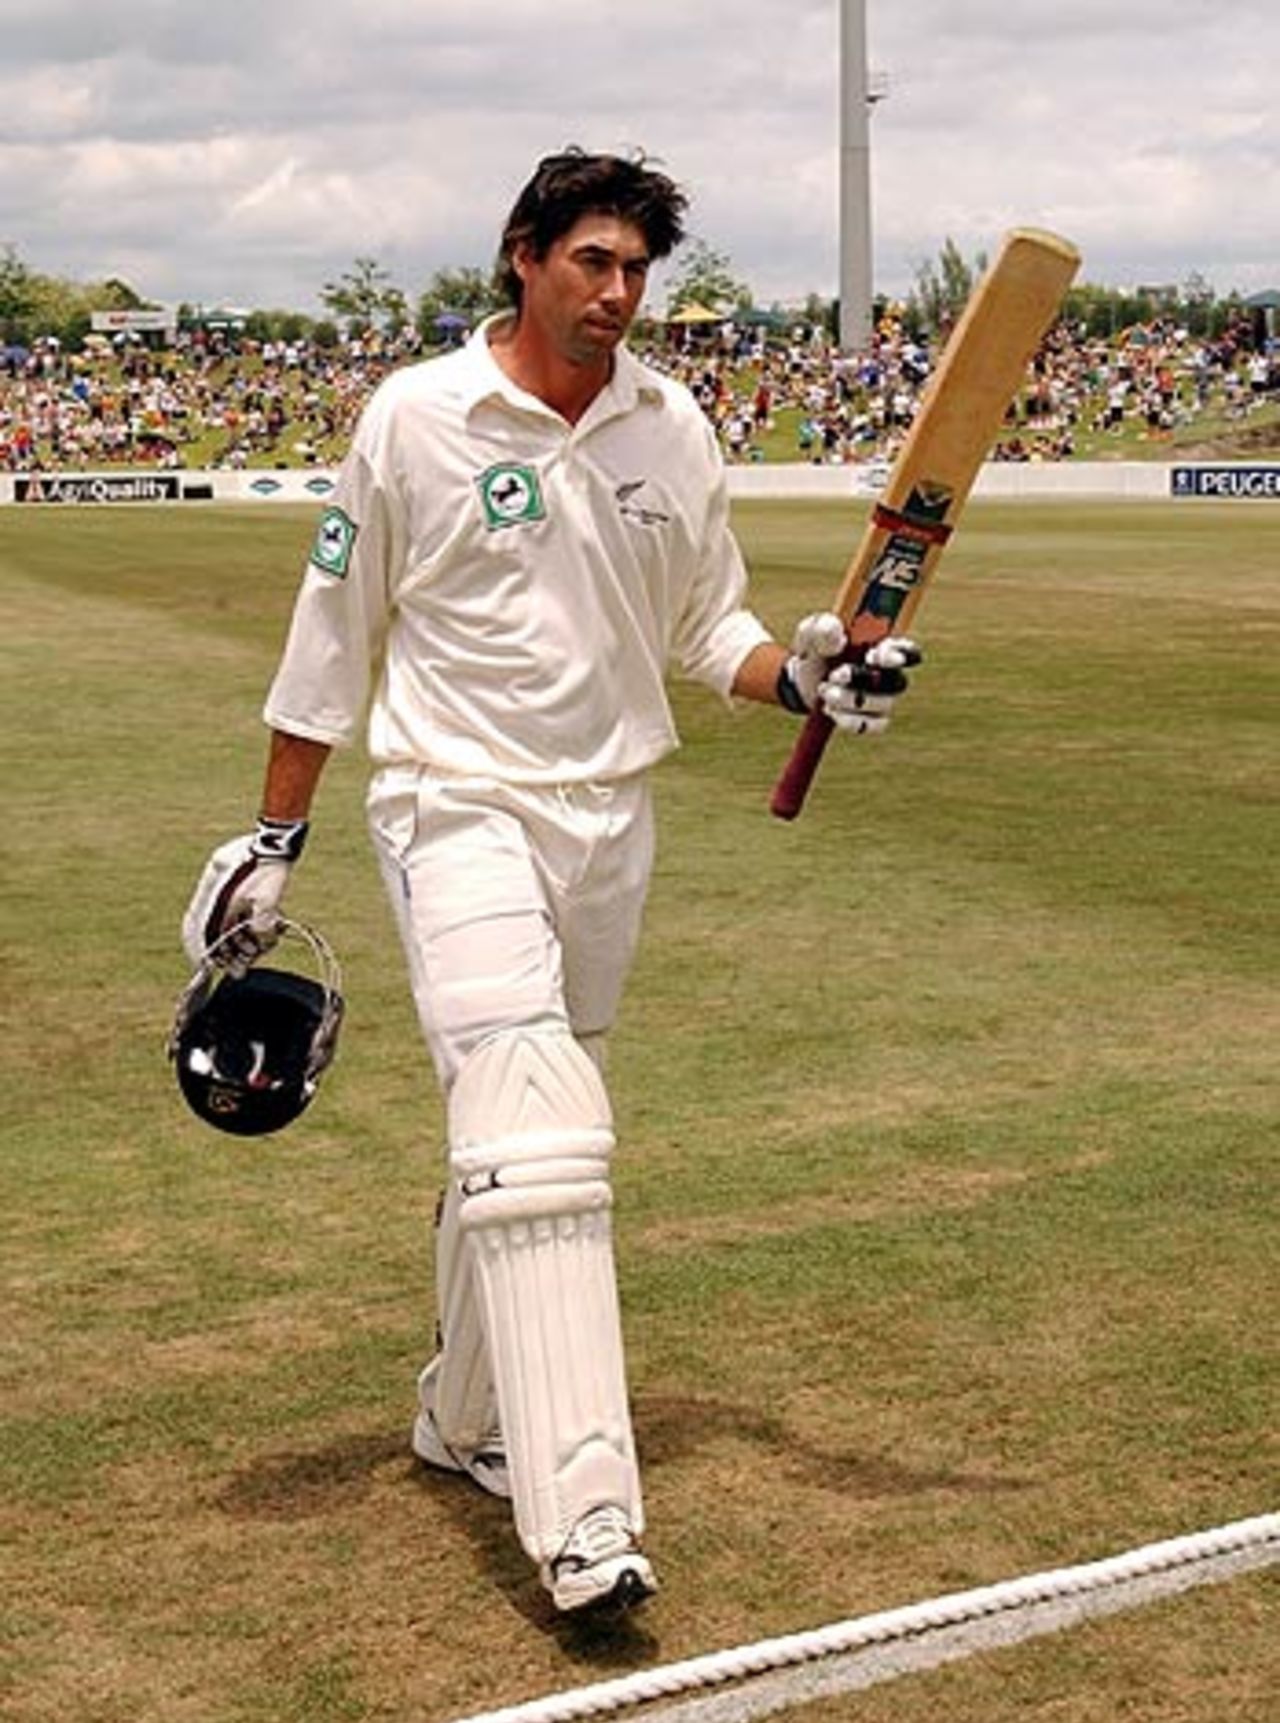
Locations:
(604, 1532)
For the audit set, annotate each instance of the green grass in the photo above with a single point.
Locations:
(947, 1202)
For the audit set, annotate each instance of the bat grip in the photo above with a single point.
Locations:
(793, 785)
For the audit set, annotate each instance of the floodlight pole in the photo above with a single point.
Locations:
(855, 178)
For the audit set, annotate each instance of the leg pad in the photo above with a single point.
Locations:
(530, 1136)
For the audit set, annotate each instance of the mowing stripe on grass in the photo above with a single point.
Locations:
(849, 1655)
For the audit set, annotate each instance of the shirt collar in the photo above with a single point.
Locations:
(485, 380)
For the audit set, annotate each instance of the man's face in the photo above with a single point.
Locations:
(582, 296)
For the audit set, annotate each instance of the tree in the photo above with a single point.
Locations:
(704, 277)
(33, 305)
(278, 325)
(468, 293)
(820, 313)
(942, 287)
(395, 310)
(116, 295)
(18, 297)
(363, 295)
(1092, 309)
(1197, 302)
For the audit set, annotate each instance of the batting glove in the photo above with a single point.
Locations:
(236, 903)
(857, 695)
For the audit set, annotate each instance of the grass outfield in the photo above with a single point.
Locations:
(947, 1203)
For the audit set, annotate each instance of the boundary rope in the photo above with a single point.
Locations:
(1259, 1538)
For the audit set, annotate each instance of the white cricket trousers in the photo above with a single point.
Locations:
(520, 909)
(519, 906)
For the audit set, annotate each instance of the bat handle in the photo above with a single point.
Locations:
(793, 786)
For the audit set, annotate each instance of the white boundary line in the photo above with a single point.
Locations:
(875, 1648)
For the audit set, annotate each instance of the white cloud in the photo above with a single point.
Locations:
(251, 151)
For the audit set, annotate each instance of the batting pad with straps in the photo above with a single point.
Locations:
(465, 1400)
(530, 1134)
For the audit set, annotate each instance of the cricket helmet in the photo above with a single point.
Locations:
(249, 1048)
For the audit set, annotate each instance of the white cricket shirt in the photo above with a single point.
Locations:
(513, 587)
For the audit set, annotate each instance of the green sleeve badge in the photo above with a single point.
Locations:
(335, 541)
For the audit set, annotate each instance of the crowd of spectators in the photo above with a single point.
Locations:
(240, 402)
(215, 398)
(1151, 380)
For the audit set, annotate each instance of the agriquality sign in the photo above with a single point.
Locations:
(1230, 479)
(97, 488)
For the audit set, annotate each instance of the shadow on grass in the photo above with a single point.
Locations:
(325, 1480)
(670, 1430)
(302, 1486)
(614, 1643)
(673, 1428)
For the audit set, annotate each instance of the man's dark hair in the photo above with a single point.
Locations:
(572, 184)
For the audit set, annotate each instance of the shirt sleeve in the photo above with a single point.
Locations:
(322, 684)
(715, 631)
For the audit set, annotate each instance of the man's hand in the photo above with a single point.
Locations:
(859, 697)
(241, 888)
(856, 694)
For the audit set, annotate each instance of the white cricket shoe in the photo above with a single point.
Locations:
(600, 1566)
(485, 1464)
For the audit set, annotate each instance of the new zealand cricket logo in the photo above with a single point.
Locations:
(510, 495)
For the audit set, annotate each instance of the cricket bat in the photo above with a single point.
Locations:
(960, 414)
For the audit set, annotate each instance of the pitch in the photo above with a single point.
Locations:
(946, 1197)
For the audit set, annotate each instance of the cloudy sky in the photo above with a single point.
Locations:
(247, 151)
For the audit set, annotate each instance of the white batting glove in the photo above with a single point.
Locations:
(817, 639)
(241, 889)
(857, 695)
(859, 698)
